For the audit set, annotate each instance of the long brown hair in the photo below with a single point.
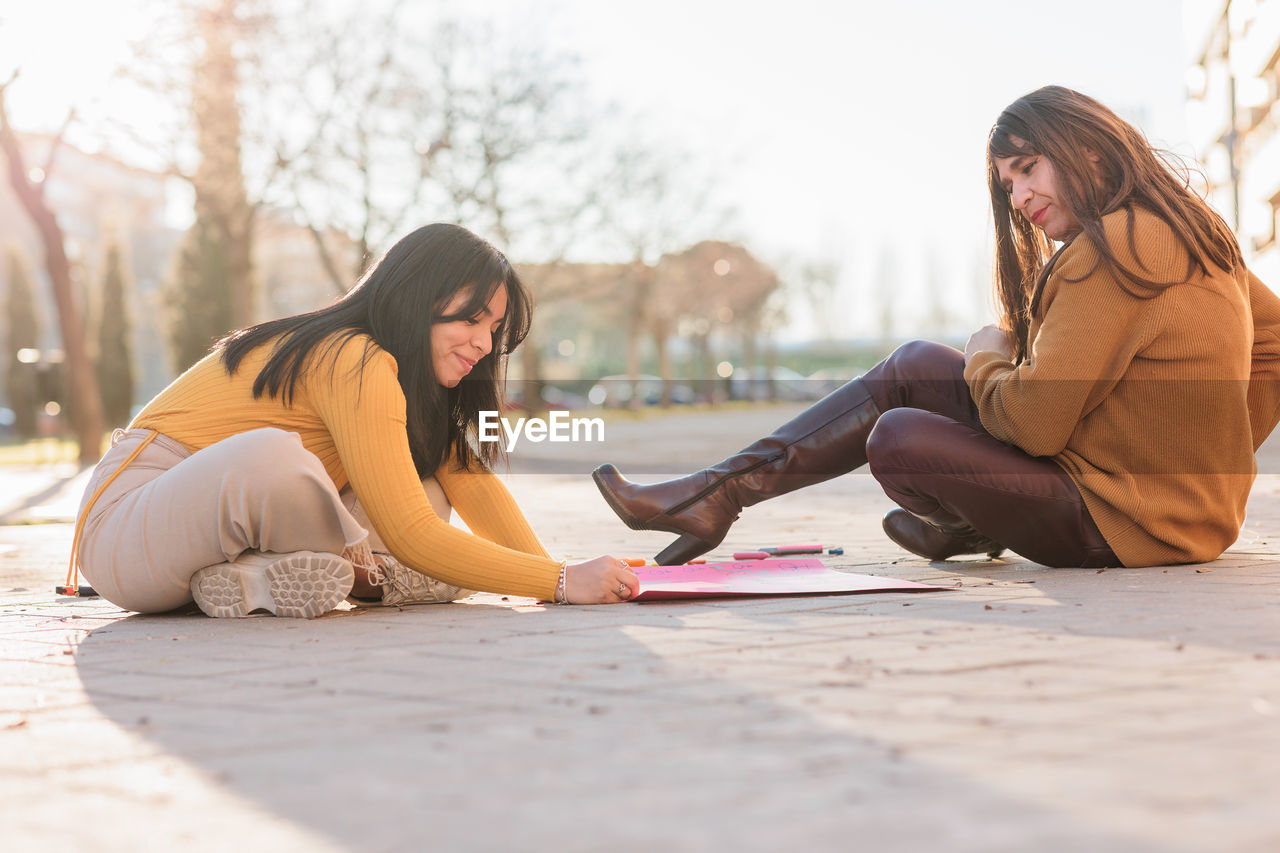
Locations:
(395, 304)
(1103, 164)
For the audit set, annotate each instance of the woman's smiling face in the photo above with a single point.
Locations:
(1032, 184)
(457, 345)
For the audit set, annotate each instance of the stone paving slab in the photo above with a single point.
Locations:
(1024, 708)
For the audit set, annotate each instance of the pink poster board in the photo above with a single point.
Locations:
(761, 577)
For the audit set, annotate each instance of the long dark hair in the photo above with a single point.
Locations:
(395, 303)
(1071, 130)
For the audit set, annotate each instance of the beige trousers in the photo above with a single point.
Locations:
(173, 512)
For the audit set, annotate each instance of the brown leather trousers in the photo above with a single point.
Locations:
(930, 453)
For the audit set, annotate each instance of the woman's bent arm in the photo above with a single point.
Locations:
(1090, 332)
(485, 504)
(366, 419)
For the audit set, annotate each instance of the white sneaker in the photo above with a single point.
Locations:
(302, 584)
(402, 585)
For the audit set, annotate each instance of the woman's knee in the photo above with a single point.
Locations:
(925, 359)
(268, 447)
(276, 450)
(899, 437)
(272, 465)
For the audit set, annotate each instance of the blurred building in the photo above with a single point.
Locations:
(289, 276)
(708, 298)
(1233, 115)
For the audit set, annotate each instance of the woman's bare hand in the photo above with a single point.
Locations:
(988, 339)
(604, 580)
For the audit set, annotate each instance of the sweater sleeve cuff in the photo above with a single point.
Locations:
(540, 585)
(983, 367)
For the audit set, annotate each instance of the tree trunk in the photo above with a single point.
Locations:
(531, 366)
(771, 366)
(114, 369)
(221, 199)
(761, 385)
(634, 328)
(641, 286)
(326, 261)
(85, 401)
(86, 404)
(706, 365)
(23, 327)
(240, 264)
(661, 337)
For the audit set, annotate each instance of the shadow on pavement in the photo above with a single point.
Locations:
(1228, 604)
(60, 487)
(480, 726)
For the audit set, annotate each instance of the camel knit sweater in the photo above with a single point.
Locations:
(1153, 406)
(354, 422)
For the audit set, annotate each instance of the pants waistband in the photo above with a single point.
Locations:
(121, 436)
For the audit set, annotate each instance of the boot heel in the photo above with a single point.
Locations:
(607, 478)
(682, 550)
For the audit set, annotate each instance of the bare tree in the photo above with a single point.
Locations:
(457, 124)
(268, 90)
(366, 128)
(115, 355)
(651, 202)
(640, 183)
(815, 279)
(211, 292)
(937, 316)
(713, 283)
(774, 317)
(221, 197)
(195, 66)
(885, 288)
(517, 126)
(483, 127)
(29, 185)
(22, 332)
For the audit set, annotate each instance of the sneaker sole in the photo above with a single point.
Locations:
(301, 585)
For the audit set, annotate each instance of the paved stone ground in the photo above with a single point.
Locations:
(1028, 708)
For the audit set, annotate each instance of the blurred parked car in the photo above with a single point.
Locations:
(559, 398)
(829, 379)
(616, 391)
(753, 384)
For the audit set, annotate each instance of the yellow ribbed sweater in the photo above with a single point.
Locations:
(356, 426)
(1153, 406)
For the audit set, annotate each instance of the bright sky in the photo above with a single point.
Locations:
(849, 130)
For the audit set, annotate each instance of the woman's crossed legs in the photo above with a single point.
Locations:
(943, 470)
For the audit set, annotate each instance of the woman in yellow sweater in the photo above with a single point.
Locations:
(316, 457)
(1110, 419)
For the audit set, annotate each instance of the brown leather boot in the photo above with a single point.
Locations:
(937, 540)
(825, 440)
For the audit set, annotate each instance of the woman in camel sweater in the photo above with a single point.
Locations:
(315, 457)
(1110, 419)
